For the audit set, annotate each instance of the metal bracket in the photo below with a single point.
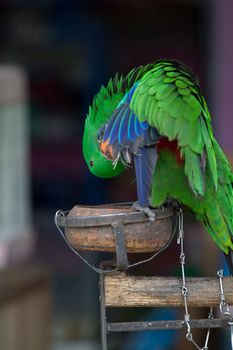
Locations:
(121, 249)
(103, 312)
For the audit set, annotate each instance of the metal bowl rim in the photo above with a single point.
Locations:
(64, 220)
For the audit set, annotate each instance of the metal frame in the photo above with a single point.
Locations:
(114, 327)
(103, 315)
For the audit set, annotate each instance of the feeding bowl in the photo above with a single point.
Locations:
(91, 228)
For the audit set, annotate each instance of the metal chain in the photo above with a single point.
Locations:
(223, 305)
(184, 288)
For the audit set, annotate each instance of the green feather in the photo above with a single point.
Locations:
(193, 170)
(194, 112)
(169, 68)
(213, 209)
(174, 104)
(172, 74)
(164, 185)
(211, 156)
(169, 80)
(185, 80)
(167, 104)
(152, 90)
(180, 84)
(168, 125)
(152, 113)
(184, 92)
(165, 91)
(159, 118)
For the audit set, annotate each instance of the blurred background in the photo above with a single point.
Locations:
(54, 55)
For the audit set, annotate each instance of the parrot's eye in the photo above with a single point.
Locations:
(91, 163)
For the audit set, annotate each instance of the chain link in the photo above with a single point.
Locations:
(184, 288)
(223, 305)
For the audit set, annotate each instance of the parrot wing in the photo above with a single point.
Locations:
(168, 98)
(124, 134)
(125, 137)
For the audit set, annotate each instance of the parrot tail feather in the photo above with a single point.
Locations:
(229, 260)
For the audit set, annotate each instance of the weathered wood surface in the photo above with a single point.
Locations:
(168, 324)
(132, 291)
(140, 236)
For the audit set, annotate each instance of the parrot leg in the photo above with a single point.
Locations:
(162, 207)
(168, 201)
(145, 210)
(144, 164)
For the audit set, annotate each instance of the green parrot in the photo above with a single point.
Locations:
(156, 119)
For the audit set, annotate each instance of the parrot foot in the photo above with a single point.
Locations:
(162, 208)
(145, 210)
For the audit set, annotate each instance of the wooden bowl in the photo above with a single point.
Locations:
(90, 228)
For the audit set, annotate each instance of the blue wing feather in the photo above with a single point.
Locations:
(110, 124)
(130, 127)
(144, 125)
(122, 134)
(137, 127)
(115, 128)
(124, 128)
(131, 92)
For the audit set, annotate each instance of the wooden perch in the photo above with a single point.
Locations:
(122, 290)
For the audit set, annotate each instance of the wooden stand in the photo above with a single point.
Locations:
(122, 290)
(120, 229)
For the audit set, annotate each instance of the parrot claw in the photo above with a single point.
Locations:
(146, 210)
(162, 207)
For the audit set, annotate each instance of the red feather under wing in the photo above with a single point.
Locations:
(172, 146)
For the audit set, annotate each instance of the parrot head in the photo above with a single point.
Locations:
(99, 113)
